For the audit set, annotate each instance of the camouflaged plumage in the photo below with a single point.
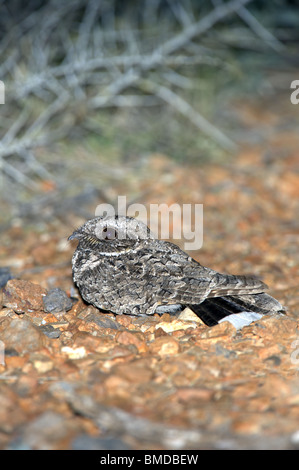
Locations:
(120, 267)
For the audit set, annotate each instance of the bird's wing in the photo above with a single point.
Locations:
(179, 278)
(228, 284)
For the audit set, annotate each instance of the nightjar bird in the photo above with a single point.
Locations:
(119, 266)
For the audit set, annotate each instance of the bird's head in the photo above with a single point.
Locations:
(112, 235)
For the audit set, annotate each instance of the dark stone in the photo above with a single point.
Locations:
(49, 331)
(57, 301)
(102, 321)
(5, 275)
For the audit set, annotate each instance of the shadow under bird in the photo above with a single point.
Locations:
(119, 266)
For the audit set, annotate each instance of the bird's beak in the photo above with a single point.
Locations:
(74, 235)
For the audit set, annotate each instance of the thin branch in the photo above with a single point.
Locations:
(199, 28)
(157, 57)
(15, 128)
(260, 30)
(256, 27)
(33, 163)
(177, 79)
(99, 66)
(86, 25)
(48, 113)
(84, 67)
(188, 111)
(17, 175)
(124, 101)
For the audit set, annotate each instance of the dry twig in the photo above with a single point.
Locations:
(99, 67)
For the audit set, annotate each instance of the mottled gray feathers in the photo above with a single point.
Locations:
(119, 266)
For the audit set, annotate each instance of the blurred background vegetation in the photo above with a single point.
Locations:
(95, 89)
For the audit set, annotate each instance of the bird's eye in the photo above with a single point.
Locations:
(109, 233)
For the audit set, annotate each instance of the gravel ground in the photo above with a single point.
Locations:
(74, 378)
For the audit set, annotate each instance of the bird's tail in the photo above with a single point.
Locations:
(239, 310)
(228, 284)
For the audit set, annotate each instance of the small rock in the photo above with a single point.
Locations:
(74, 353)
(22, 296)
(164, 346)
(26, 384)
(11, 352)
(222, 330)
(116, 386)
(50, 430)
(136, 372)
(86, 442)
(265, 352)
(175, 325)
(49, 331)
(10, 413)
(159, 332)
(5, 276)
(124, 320)
(188, 315)
(136, 338)
(17, 444)
(186, 394)
(21, 335)
(276, 360)
(102, 321)
(42, 364)
(57, 301)
(221, 351)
